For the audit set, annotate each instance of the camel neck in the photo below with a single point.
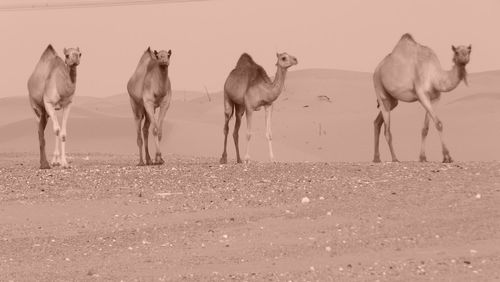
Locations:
(72, 74)
(278, 83)
(163, 72)
(163, 77)
(450, 79)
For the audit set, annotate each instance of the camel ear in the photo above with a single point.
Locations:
(470, 48)
(169, 53)
(156, 53)
(78, 49)
(454, 48)
(277, 55)
(65, 51)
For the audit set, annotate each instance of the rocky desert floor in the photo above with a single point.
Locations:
(192, 219)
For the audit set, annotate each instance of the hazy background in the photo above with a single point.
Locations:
(207, 37)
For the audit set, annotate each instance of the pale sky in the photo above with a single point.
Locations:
(207, 37)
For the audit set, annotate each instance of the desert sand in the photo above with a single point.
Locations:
(195, 220)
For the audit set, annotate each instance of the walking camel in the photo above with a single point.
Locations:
(412, 72)
(149, 89)
(51, 87)
(247, 89)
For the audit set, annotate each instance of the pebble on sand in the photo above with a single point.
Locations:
(305, 200)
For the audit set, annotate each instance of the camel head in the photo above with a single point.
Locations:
(72, 56)
(461, 54)
(461, 57)
(163, 57)
(285, 60)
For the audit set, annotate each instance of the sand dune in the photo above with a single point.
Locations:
(323, 115)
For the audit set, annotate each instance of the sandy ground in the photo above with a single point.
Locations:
(194, 220)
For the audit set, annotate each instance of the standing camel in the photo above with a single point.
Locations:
(246, 90)
(149, 88)
(51, 87)
(412, 72)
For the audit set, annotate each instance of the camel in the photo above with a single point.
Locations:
(51, 87)
(149, 89)
(412, 72)
(247, 89)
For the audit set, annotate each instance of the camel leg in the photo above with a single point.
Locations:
(52, 114)
(269, 134)
(139, 114)
(377, 124)
(425, 131)
(386, 104)
(240, 110)
(145, 133)
(63, 135)
(249, 113)
(161, 118)
(387, 132)
(150, 111)
(426, 103)
(228, 113)
(56, 157)
(44, 164)
(139, 138)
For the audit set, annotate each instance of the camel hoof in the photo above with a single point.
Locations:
(423, 159)
(56, 164)
(66, 166)
(45, 166)
(447, 160)
(239, 161)
(395, 161)
(376, 160)
(141, 163)
(223, 160)
(159, 161)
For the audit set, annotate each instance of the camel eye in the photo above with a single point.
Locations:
(283, 59)
(67, 56)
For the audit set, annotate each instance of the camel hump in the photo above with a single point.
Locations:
(406, 45)
(49, 53)
(245, 60)
(49, 50)
(255, 74)
(408, 37)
